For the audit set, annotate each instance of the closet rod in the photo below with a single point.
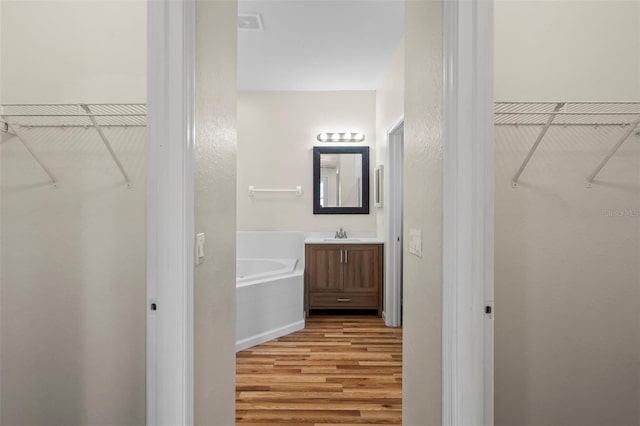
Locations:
(568, 103)
(613, 150)
(73, 115)
(59, 104)
(516, 124)
(555, 113)
(76, 126)
(107, 144)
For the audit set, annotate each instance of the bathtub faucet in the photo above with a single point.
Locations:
(341, 234)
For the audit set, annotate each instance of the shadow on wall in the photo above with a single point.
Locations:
(73, 282)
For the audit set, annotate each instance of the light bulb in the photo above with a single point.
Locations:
(359, 137)
(335, 137)
(347, 136)
(323, 137)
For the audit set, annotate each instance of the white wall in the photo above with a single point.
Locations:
(73, 269)
(215, 279)
(567, 50)
(276, 135)
(567, 282)
(422, 363)
(73, 282)
(73, 51)
(389, 108)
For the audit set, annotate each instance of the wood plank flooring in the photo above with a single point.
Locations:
(339, 370)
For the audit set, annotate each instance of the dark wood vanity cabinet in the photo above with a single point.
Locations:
(343, 276)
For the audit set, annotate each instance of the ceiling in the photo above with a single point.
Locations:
(319, 45)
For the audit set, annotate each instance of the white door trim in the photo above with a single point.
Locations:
(467, 220)
(467, 213)
(393, 288)
(170, 211)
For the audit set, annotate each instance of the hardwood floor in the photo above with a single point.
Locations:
(339, 370)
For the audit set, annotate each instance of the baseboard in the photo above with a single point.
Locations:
(268, 335)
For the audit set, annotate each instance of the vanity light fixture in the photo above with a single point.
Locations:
(341, 137)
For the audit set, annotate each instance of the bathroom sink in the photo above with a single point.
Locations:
(323, 239)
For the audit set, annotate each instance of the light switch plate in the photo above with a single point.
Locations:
(415, 242)
(199, 248)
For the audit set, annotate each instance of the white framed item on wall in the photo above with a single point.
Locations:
(377, 186)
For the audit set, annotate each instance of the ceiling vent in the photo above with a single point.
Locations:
(250, 22)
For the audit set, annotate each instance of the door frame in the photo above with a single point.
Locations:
(393, 250)
(171, 42)
(468, 175)
(467, 393)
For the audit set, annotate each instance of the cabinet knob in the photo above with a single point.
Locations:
(343, 299)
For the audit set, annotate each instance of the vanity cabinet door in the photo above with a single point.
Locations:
(324, 266)
(362, 268)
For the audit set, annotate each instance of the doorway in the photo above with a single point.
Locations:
(421, 407)
(290, 107)
(393, 267)
(72, 212)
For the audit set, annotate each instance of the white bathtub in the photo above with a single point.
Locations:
(253, 270)
(269, 286)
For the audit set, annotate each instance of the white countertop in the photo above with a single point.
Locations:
(350, 240)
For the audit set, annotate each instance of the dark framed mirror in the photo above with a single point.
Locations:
(341, 180)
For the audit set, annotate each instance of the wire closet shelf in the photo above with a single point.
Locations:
(546, 115)
(17, 118)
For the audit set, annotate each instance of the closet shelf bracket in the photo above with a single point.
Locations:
(543, 132)
(106, 142)
(632, 128)
(12, 131)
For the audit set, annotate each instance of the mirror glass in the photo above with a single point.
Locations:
(341, 180)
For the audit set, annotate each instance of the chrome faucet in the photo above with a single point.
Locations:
(341, 234)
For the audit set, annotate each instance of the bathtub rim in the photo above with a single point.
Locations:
(296, 270)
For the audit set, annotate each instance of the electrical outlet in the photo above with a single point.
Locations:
(415, 242)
